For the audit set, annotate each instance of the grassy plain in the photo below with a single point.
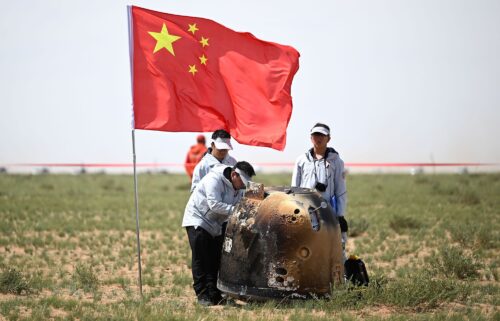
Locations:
(68, 250)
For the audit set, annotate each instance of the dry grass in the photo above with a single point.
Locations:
(54, 225)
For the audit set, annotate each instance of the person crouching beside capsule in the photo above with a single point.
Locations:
(208, 208)
(322, 168)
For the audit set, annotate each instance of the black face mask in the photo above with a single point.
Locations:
(320, 187)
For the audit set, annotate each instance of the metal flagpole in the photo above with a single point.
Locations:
(136, 196)
(137, 213)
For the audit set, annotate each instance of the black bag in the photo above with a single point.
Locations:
(355, 271)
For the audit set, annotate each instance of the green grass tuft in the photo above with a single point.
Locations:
(401, 224)
(85, 278)
(421, 291)
(12, 281)
(452, 261)
(358, 226)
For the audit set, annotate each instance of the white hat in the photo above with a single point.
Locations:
(222, 143)
(244, 177)
(320, 130)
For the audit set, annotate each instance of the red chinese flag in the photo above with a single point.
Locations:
(195, 75)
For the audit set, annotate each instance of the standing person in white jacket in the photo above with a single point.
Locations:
(208, 208)
(322, 169)
(217, 153)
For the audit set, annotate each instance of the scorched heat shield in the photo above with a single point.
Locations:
(281, 242)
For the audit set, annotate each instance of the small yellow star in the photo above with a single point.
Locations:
(192, 28)
(192, 69)
(164, 40)
(204, 41)
(203, 59)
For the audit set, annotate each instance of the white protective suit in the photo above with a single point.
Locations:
(330, 171)
(206, 164)
(212, 202)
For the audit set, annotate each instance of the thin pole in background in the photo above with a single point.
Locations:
(137, 214)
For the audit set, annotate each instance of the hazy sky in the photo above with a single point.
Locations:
(398, 81)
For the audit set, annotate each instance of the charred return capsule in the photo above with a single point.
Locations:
(281, 242)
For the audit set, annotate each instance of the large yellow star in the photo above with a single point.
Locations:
(204, 41)
(192, 69)
(192, 28)
(203, 60)
(164, 40)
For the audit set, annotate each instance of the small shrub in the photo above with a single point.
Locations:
(37, 282)
(347, 299)
(496, 274)
(357, 227)
(418, 290)
(12, 281)
(183, 186)
(85, 278)
(421, 291)
(487, 238)
(470, 198)
(469, 235)
(439, 189)
(401, 224)
(421, 179)
(108, 184)
(453, 261)
(465, 234)
(48, 187)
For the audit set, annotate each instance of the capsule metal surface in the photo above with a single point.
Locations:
(281, 242)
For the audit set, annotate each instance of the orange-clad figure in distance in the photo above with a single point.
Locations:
(194, 155)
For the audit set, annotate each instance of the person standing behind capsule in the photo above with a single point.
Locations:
(194, 155)
(321, 168)
(217, 153)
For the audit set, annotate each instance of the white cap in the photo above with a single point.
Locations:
(244, 177)
(321, 130)
(222, 143)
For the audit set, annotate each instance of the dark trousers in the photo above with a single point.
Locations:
(205, 262)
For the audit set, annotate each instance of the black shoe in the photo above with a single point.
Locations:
(215, 295)
(216, 298)
(205, 300)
